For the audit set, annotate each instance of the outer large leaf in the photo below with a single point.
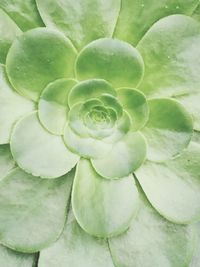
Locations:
(34, 214)
(137, 16)
(152, 241)
(196, 13)
(8, 32)
(77, 249)
(81, 21)
(196, 258)
(171, 52)
(168, 130)
(173, 187)
(24, 13)
(10, 258)
(103, 207)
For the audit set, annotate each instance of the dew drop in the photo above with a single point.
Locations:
(142, 5)
(166, 7)
(177, 7)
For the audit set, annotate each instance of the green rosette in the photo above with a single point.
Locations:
(99, 135)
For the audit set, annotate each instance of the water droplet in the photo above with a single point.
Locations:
(177, 7)
(166, 7)
(168, 57)
(142, 5)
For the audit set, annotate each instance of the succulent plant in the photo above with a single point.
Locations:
(99, 133)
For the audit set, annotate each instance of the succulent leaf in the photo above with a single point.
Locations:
(106, 91)
(28, 56)
(53, 105)
(35, 212)
(113, 60)
(150, 235)
(168, 130)
(76, 247)
(8, 32)
(11, 258)
(82, 22)
(42, 154)
(95, 201)
(12, 107)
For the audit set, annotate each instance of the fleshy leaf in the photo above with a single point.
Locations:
(76, 122)
(33, 215)
(169, 129)
(24, 13)
(153, 241)
(29, 56)
(39, 152)
(82, 22)
(137, 16)
(12, 107)
(135, 103)
(86, 119)
(98, 204)
(85, 147)
(196, 13)
(125, 157)
(11, 258)
(53, 105)
(171, 52)
(122, 127)
(6, 160)
(106, 58)
(191, 103)
(89, 89)
(196, 137)
(8, 32)
(173, 187)
(196, 258)
(76, 248)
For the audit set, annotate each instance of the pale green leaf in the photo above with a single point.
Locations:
(78, 249)
(8, 32)
(7, 162)
(53, 105)
(33, 215)
(135, 103)
(81, 21)
(12, 107)
(29, 56)
(103, 207)
(152, 241)
(171, 52)
(42, 153)
(11, 258)
(126, 156)
(113, 60)
(168, 130)
(173, 187)
(23, 12)
(136, 17)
